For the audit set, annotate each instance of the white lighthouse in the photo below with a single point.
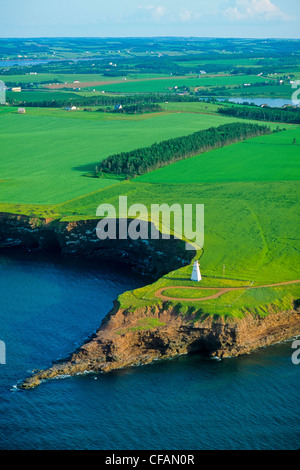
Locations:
(196, 275)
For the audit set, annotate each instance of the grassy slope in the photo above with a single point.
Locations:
(249, 227)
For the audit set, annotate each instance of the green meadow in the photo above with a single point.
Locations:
(160, 86)
(54, 77)
(267, 158)
(40, 95)
(251, 227)
(46, 152)
(271, 91)
(229, 62)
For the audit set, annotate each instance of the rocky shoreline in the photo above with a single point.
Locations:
(126, 338)
(120, 343)
(78, 238)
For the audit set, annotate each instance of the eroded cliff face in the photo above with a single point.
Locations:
(120, 342)
(151, 257)
(128, 338)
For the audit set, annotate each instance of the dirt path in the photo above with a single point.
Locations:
(222, 291)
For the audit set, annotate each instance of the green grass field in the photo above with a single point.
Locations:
(62, 77)
(283, 91)
(266, 158)
(236, 303)
(160, 86)
(233, 62)
(40, 95)
(46, 151)
(252, 227)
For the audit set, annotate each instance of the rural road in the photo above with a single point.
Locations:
(222, 291)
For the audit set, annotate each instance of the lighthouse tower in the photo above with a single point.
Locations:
(196, 275)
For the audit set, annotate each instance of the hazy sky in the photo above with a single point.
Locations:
(202, 18)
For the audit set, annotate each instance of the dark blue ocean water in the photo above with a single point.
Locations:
(48, 307)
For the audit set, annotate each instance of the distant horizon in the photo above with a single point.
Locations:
(154, 37)
(256, 19)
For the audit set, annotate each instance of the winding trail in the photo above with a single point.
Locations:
(222, 291)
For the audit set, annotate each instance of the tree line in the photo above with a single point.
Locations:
(102, 100)
(140, 161)
(140, 108)
(287, 115)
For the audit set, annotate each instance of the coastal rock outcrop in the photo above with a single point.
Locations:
(79, 238)
(130, 338)
(124, 341)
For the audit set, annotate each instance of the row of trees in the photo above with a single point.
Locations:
(140, 161)
(140, 108)
(102, 100)
(288, 115)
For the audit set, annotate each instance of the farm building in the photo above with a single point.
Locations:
(21, 110)
(16, 89)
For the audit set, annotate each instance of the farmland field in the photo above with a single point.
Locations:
(160, 86)
(238, 162)
(40, 95)
(45, 160)
(54, 77)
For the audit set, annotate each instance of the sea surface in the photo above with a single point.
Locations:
(49, 305)
(26, 62)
